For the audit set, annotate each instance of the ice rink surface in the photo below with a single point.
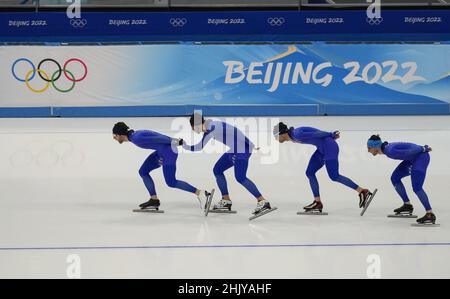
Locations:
(67, 191)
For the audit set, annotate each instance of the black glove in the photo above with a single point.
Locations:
(177, 142)
(336, 135)
(426, 149)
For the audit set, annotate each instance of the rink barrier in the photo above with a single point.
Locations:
(26, 112)
(386, 109)
(181, 110)
(231, 110)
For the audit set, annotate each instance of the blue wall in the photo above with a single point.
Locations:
(239, 110)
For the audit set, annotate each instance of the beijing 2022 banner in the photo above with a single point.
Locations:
(318, 73)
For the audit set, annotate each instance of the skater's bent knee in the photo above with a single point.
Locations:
(310, 173)
(143, 172)
(417, 189)
(395, 180)
(217, 171)
(334, 176)
(172, 183)
(241, 179)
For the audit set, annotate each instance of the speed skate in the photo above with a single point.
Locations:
(223, 207)
(149, 210)
(209, 201)
(405, 211)
(222, 211)
(429, 220)
(369, 201)
(315, 208)
(262, 213)
(425, 225)
(406, 216)
(314, 213)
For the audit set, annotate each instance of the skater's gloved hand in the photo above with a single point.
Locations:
(336, 135)
(177, 142)
(427, 149)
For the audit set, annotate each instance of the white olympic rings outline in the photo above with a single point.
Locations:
(276, 21)
(374, 21)
(78, 23)
(178, 22)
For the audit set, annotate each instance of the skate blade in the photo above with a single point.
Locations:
(407, 216)
(425, 225)
(263, 213)
(209, 201)
(151, 211)
(313, 213)
(223, 211)
(369, 201)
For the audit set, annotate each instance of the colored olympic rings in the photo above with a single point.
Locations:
(13, 68)
(31, 74)
(27, 81)
(82, 63)
(50, 60)
(59, 75)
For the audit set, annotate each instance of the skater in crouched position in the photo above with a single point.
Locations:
(415, 162)
(240, 151)
(165, 155)
(327, 154)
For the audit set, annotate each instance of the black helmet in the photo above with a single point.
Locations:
(120, 129)
(280, 129)
(196, 119)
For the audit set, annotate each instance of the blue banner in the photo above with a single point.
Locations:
(313, 79)
(228, 26)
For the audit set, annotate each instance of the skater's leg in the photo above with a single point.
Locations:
(240, 172)
(402, 171)
(418, 178)
(331, 157)
(171, 181)
(315, 164)
(151, 163)
(418, 175)
(225, 162)
(169, 162)
(333, 173)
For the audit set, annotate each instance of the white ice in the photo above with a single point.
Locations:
(67, 190)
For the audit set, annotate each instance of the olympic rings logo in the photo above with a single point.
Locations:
(374, 21)
(31, 74)
(276, 21)
(60, 153)
(177, 22)
(78, 23)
